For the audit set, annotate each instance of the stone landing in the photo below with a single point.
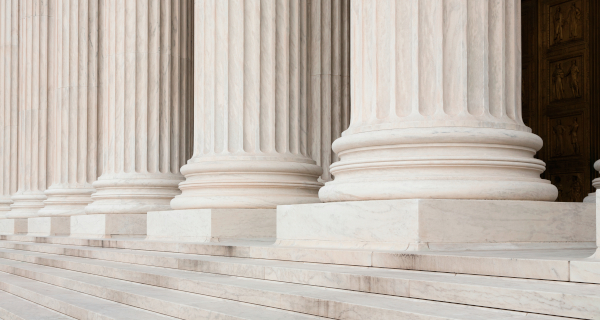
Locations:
(417, 225)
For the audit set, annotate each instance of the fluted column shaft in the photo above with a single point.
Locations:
(36, 52)
(9, 64)
(75, 118)
(146, 101)
(596, 184)
(328, 88)
(250, 140)
(436, 105)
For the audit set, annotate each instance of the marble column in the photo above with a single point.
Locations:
(436, 105)
(250, 137)
(36, 54)
(596, 184)
(145, 100)
(75, 118)
(328, 87)
(9, 53)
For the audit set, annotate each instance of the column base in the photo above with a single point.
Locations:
(13, 226)
(48, 226)
(108, 226)
(421, 225)
(212, 225)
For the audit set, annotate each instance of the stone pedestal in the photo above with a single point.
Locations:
(13, 226)
(48, 226)
(108, 226)
(418, 225)
(206, 225)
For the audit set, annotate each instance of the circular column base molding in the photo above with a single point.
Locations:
(438, 163)
(247, 182)
(133, 193)
(26, 204)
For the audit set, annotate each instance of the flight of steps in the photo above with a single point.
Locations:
(67, 278)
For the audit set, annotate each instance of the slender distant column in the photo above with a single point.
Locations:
(145, 73)
(596, 184)
(75, 118)
(250, 139)
(9, 64)
(36, 83)
(436, 105)
(328, 90)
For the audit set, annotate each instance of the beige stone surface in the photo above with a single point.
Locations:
(438, 225)
(13, 226)
(49, 226)
(108, 225)
(212, 225)
(144, 102)
(9, 108)
(436, 106)
(250, 137)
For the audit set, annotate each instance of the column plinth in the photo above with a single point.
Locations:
(436, 106)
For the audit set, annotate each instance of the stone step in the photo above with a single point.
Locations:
(546, 297)
(15, 308)
(72, 303)
(172, 303)
(317, 301)
(531, 264)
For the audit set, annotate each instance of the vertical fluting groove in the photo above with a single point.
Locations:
(283, 82)
(201, 120)
(345, 59)
(174, 50)
(92, 93)
(295, 77)
(477, 62)
(268, 65)
(510, 53)
(518, 111)
(221, 56)
(314, 103)
(430, 64)
(496, 29)
(326, 82)
(357, 63)
(14, 92)
(4, 101)
(130, 23)
(235, 67)
(369, 75)
(156, 147)
(304, 79)
(252, 74)
(455, 56)
(103, 86)
(406, 57)
(336, 81)
(384, 50)
(73, 89)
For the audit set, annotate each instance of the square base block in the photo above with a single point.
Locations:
(420, 225)
(49, 226)
(212, 225)
(108, 226)
(13, 226)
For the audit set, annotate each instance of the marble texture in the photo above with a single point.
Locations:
(309, 300)
(145, 63)
(13, 226)
(250, 138)
(37, 35)
(74, 122)
(15, 308)
(417, 225)
(210, 274)
(328, 85)
(436, 105)
(108, 225)
(9, 108)
(212, 225)
(48, 226)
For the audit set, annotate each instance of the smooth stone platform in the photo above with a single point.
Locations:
(206, 225)
(108, 225)
(49, 226)
(417, 225)
(13, 226)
